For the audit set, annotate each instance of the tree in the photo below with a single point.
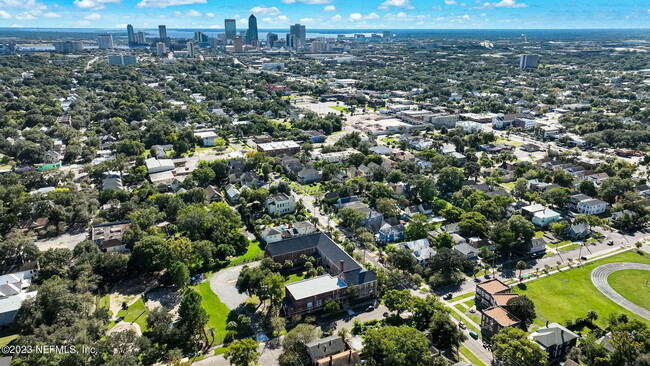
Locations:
(192, 316)
(521, 187)
(243, 352)
(398, 301)
(523, 309)
(443, 240)
(587, 187)
(473, 224)
(449, 180)
(294, 350)
(18, 248)
(417, 227)
(179, 274)
(396, 346)
(427, 189)
(272, 288)
(521, 265)
(387, 206)
(331, 306)
(350, 218)
(562, 178)
(402, 259)
(558, 196)
(512, 347)
(444, 332)
(613, 188)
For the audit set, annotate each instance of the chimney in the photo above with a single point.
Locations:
(342, 265)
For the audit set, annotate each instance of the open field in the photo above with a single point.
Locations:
(571, 294)
(632, 284)
(136, 313)
(217, 311)
(254, 248)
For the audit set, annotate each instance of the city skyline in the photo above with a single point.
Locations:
(328, 14)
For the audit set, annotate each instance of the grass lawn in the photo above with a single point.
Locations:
(294, 277)
(470, 356)
(254, 248)
(539, 234)
(8, 335)
(463, 296)
(340, 109)
(136, 313)
(469, 303)
(570, 294)
(566, 248)
(217, 311)
(510, 185)
(105, 302)
(633, 284)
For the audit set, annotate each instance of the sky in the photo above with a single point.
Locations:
(329, 14)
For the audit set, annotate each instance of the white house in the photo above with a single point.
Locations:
(159, 165)
(280, 204)
(207, 137)
(591, 207)
(470, 127)
(420, 250)
(14, 282)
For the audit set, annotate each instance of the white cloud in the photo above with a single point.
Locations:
(337, 18)
(93, 4)
(510, 4)
(355, 17)
(20, 4)
(306, 20)
(93, 16)
(159, 4)
(52, 15)
(450, 2)
(82, 23)
(372, 16)
(466, 16)
(311, 2)
(25, 16)
(209, 15)
(193, 13)
(280, 19)
(4, 15)
(265, 10)
(333, 8)
(397, 3)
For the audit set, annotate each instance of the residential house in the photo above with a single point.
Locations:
(577, 231)
(52, 157)
(466, 250)
(373, 220)
(546, 217)
(35, 225)
(537, 245)
(494, 319)
(212, 194)
(577, 198)
(160, 151)
(315, 136)
(14, 282)
(277, 233)
(308, 175)
(555, 339)
(343, 271)
(381, 150)
(486, 290)
(344, 358)
(531, 210)
(420, 249)
(232, 194)
(591, 207)
(391, 232)
(325, 347)
(109, 236)
(112, 180)
(280, 204)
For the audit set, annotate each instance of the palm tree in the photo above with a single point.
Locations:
(521, 265)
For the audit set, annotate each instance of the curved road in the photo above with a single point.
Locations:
(599, 279)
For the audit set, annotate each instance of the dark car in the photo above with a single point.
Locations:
(610, 243)
(370, 308)
(473, 335)
(447, 297)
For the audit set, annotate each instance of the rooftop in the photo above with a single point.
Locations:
(494, 286)
(314, 286)
(501, 316)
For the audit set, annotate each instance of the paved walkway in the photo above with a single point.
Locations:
(599, 278)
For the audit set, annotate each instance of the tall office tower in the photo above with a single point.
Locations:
(68, 46)
(141, 37)
(529, 61)
(200, 37)
(130, 34)
(388, 34)
(271, 38)
(299, 34)
(162, 31)
(231, 29)
(191, 52)
(121, 60)
(252, 36)
(161, 49)
(105, 42)
(239, 45)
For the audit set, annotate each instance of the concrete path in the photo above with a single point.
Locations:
(599, 278)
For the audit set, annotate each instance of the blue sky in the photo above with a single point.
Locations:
(336, 14)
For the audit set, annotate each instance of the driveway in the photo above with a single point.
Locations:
(223, 284)
(599, 278)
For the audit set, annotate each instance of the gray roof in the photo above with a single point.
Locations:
(553, 334)
(324, 347)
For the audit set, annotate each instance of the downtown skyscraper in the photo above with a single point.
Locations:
(162, 31)
(231, 29)
(130, 34)
(252, 35)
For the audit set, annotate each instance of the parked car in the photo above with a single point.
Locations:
(447, 297)
(473, 335)
(610, 243)
(370, 308)
(462, 325)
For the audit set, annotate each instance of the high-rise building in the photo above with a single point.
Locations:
(529, 61)
(231, 29)
(252, 36)
(121, 60)
(141, 37)
(388, 34)
(239, 45)
(105, 41)
(271, 38)
(200, 37)
(161, 49)
(191, 52)
(299, 36)
(162, 31)
(68, 46)
(130, 34)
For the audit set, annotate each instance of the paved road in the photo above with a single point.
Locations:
(223, 284)
(599, 279)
